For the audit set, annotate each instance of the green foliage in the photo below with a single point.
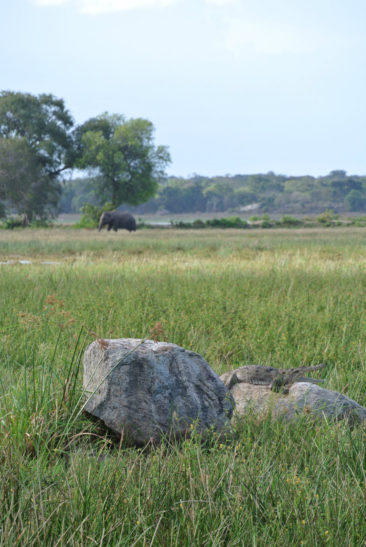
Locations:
(198, 223)
(355, 200)
(288, 220)
(23, 186)
(43, 122)
(77, 192)
(178, 198)
(328, 218)
(255, 218)
(229, 222)
(267, 224)
(35, 147)
(13, 222)
(359, 221)
(267, 193)
(124, 155)
(91, 215)
(2, 210)
(41, 223)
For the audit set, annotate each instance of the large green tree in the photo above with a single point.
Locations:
(36, 146)
(122, 153)
(23, 186)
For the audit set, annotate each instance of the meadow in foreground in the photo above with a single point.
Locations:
(281, 298)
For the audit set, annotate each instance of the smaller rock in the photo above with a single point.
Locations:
(277, 378)
(320, 402)
(297, 399)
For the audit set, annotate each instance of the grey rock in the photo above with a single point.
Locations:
(143, 389)
(300, 398)
(277, 379)
(320, 402)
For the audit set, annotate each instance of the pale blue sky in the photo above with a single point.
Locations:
(232, 86)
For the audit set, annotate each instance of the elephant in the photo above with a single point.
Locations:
(116, 220)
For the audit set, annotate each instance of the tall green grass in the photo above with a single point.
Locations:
(289, 301)
(72, 244)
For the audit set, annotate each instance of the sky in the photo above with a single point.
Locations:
(231, 86)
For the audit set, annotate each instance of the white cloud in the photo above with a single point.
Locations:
(270, 38)
(50, 2)
(106, 6)
(221, 2)
(103, 6)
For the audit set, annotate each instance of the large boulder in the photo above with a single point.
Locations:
(143, 389)
(299, 398)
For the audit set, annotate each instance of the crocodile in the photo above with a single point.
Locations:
(277, 379)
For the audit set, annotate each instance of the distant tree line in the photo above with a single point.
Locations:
(266, 193)
(39, 143)
(40, 146)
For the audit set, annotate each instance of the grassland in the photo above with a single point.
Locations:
(283, 297)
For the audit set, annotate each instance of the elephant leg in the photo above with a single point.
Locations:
(110, 227)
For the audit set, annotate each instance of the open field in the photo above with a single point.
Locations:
(276, 297)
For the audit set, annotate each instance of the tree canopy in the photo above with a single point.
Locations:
(252, 194)
(35, 148)
(45, 125)
(122, 153)
(23, 186)
(38, 142)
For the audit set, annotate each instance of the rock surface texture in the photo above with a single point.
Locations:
(252, 390)
(278, 379)
(143, 389)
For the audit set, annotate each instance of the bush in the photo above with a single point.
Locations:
(288, 220)
(267, 224)
(40, 223)
(229, 222)
(328, 218)
(15, 222)
(181, 224)
(92, 214)
(359, 221)
(199, 224)
(260, 217)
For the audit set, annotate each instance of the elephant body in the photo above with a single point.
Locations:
(116, 220)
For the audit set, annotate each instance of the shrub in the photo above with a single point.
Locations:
(288, 220)
(180, 224)
(14, 222)
(359, 221)
(40, 223)
(260, 217)
(199, 224)
(91, 215)
(328, 218)
(229, 222)
(267, 223)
